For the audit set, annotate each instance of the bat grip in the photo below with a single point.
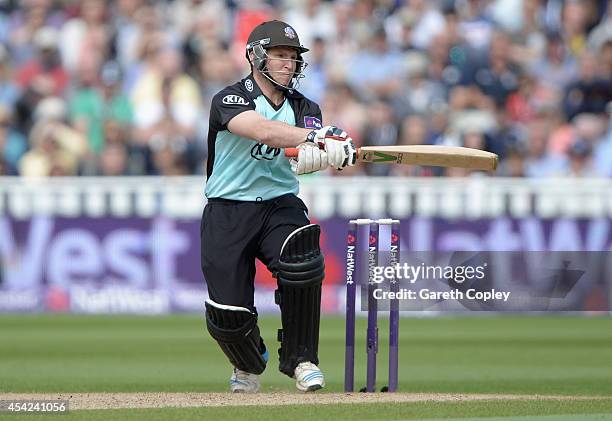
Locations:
(292, 152)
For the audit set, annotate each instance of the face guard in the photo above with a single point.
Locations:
(259, 62)
(275, 34)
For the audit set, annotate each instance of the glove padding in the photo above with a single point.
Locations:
(341, 151)
(310, 159)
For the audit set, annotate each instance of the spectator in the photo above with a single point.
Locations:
(581, 160)
(26, 22)
(8, 90)
(117, 143)
(56, 150)
(45, 69)
(421, 94)
(602, 33)
(590, 92)
(446, 68)
(533, 93)
(471, 97)
(314, 83)
(248, 15)
(507, 134)
(574, 21)
(380, 130)
(13, 144)
(474, 139)
(216, 70)
(203, 26)
(498, 78)
(514, 163)
(209, 19)
(603, 150)
(4, 169)
(126, 31)
(429, 22)
(376, 72)
(5, 22)
(169, 157)
(413, 131)
(520, 105)
(539, 161)
(98, 99)
(605, 52)
(400, 28)
(345, 42)
(590, 129)
(149, 47)
(530, 41)
(437, 124)
(85, 35)
(113, 160)
(341, 106)
(166, 100)
(475, 23)
(557, 67)
(312, 19)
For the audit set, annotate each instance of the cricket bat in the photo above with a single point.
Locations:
(432, 155)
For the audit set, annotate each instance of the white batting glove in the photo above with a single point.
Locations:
(341, 151)
(310, 159)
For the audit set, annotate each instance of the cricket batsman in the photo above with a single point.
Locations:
(253, 211)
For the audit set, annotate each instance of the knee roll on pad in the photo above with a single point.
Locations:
(300, 275)
(235, 330)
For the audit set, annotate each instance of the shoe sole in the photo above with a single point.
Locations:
(314, 387)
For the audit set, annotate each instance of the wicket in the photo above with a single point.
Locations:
(372, 332)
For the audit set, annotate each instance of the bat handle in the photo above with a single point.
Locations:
(291, 152)
(294, 152)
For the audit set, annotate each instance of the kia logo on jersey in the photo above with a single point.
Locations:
(234, 100)
(260, 151)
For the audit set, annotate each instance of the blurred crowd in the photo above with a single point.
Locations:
(92, 87)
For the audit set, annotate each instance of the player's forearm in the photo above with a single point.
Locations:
(281, 135)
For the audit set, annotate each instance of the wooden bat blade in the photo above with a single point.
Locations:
(432, 155)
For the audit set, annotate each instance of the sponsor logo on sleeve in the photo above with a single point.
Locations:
(234, 100)
(312, 123)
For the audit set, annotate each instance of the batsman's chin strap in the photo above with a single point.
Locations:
(276, 85)
(294, 84)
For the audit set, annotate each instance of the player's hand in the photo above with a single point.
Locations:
(340, 149)
(310, 159)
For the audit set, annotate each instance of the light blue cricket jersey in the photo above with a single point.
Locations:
(242, 169)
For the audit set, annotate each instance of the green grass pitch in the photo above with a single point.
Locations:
(499, 355)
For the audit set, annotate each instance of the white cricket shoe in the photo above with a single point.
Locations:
(308, 377)
(244, 382)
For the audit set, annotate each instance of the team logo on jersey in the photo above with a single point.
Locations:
(260, 151)
(312, 123)
(234, 100)
(290, 33)
(249, 85)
